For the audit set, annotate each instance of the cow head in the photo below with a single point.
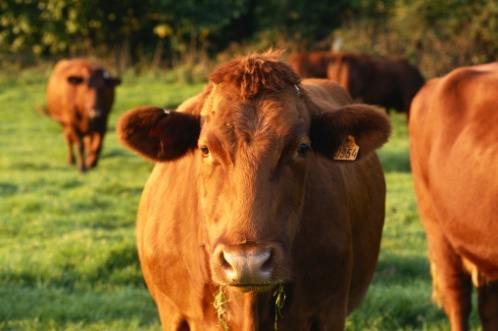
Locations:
(252, 133)
(94, 90)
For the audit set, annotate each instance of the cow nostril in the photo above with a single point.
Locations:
(224, 263)
(268, 264)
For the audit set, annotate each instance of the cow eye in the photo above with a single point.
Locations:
(303, 149)
(205, 150)
(75, 80)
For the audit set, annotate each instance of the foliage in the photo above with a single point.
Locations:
(435, 35)
(438, 36)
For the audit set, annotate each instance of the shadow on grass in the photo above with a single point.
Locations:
(395, 161)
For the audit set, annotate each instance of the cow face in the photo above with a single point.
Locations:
(252, 156)
(252, 140)
(94, 92)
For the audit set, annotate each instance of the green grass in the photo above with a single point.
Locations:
(68, 259)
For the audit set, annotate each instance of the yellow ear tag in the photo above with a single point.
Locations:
(348, 151)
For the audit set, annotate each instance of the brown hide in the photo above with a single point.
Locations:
(312, 64)
(257, 202)
(454, 153)
(80, 96)
(390, 83)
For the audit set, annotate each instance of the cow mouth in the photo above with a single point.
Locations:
(253, 287)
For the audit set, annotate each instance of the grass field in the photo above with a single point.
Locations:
(67, 247)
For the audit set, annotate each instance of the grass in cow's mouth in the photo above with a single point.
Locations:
(220, 304)
(279, 302)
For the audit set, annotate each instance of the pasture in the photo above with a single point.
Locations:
(68, 259)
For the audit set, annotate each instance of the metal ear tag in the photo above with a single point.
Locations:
(167, 112)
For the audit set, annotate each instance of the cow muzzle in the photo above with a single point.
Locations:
(248, 267)
(94, 113)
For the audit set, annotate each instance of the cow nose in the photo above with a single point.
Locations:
(247, 265)
(94, 113)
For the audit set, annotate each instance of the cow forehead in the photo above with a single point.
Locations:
(272, 112)
(259, 127)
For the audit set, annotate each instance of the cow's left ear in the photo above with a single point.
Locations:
(113, 81)
(158, 134)
(369, 126)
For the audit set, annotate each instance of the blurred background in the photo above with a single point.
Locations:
(143, 35)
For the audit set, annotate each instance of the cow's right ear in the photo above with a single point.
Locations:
(369, 127)
(158, 134)
(75, 80)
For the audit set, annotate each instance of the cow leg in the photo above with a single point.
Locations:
(68, 137)
(452, 285)
(71, 138)
(488, 305)
(93, 143)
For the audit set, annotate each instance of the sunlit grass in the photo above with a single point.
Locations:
(68, 257)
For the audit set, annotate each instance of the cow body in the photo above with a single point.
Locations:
(311, 64)
(391, 83)
(245, 198)
(80, 96)
(454, 152)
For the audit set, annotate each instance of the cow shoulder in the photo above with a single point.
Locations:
(335, 117)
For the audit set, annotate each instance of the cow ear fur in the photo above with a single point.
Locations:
(158, 134)
(369, 126)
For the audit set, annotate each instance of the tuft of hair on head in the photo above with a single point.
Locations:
(256, 73)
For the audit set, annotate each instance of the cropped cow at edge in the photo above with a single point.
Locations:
(454, 157)
(80, 96)
(246, 200)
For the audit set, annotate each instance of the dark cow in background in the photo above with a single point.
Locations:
(312, 64)
(246, 200)
(454, 156)
(390, 83)
(80, 96)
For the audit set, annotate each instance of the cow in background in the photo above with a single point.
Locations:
(249, 196)
(390, 83)
(454, 158)
(80, 96)
(311, 64)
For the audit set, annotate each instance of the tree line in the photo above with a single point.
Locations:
(436, 35)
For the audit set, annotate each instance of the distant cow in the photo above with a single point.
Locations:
(391, 83)
(454, 155)
(311, 64)
(246, 200)
(80, 96)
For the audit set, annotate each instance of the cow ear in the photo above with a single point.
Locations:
(113, 81)
(368, 125)
(75, 80)
(158, 134)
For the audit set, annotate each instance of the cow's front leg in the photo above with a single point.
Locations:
(452, 283)
(93, 146)
(68, 137)
(488, 305)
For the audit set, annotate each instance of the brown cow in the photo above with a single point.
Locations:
(246, 199)
(80, 96)
(391, 83)
(454, 154)
(311, 64)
